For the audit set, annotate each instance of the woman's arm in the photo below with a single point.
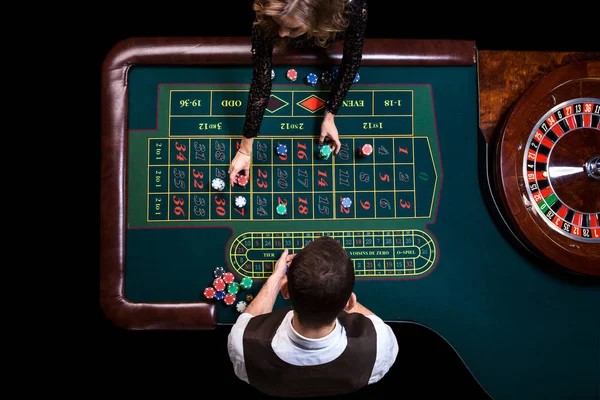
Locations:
(258, 98)
(260, 87)
(351, 58)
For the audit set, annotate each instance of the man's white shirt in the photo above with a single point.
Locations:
(296, 349)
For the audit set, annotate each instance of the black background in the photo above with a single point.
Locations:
(196, 363)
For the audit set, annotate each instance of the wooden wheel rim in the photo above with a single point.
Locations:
(567, 86)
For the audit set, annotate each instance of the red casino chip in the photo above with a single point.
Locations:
(219, 284)
(365, 150)
(228, 277)
(292, 75)
(242, 180)
(229, 299)
(209, 293)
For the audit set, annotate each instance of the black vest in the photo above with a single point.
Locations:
(273, 376)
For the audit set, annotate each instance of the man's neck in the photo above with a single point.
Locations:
(312, 333)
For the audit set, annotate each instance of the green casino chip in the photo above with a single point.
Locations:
(246, 283)
(233, 288)
(281, 209)
(325, 152)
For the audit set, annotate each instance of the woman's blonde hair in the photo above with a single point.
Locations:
(322, 18)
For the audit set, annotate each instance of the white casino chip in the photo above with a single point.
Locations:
(240, 201)
(218, 184)
(241, 306)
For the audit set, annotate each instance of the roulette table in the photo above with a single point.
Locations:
(467, 193)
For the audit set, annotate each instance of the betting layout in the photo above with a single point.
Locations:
(388, 253)
(374, 197)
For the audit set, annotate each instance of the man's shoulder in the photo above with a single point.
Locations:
(275, 317)
(244, 316)
(381, 327)
(357, 324)
(241, 322)
(378, 321)
(386, 337)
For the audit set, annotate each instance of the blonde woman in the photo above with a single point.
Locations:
(300, 24)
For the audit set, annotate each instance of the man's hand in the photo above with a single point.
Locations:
(265, 299)
(329, 131)
(281, 265)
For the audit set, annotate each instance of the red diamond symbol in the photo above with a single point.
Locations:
(312, 103)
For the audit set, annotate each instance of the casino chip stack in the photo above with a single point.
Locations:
(240, 201)
(324, 152)
(228, 277)
(219, 271)
(217, 291)
(292, 75)
(229, 299)
(242, 180)
(241, 306)
(346, 202)
(281, 209)
(225, 288)
(281, 149)
(233, 288)
(312, 79)
(218, 184)
(219, 284)
(246, 283)
(365, 150)
(219, 295)
(209, 292)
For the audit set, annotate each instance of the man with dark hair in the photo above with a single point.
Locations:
(325, 343)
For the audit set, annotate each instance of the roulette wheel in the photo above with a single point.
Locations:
(546, 167)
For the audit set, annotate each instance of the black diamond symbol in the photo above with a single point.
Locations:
(275, 103)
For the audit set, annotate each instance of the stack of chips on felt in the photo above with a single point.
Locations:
(242, 180)
(225, 288)
(324, 152)
(312, 79)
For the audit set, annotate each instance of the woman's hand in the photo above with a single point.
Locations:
(241, 161)
(329, 131)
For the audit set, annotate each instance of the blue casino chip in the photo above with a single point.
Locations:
(220, 294)
(312, 79)
(281, 150)
(346, 202)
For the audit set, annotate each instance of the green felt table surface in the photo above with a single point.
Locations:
(424, 244)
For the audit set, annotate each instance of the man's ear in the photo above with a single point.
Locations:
(351, 303)
(284, 288)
